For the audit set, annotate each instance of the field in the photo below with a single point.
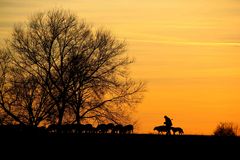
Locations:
(117, 146)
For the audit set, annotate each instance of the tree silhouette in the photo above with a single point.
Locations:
(22, 100)
(62, 70)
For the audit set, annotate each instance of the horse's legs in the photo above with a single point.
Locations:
(168, 132)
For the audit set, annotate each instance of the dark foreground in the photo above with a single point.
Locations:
(108, 146)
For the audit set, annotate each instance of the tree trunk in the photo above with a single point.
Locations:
(77, 115)
(60, 116)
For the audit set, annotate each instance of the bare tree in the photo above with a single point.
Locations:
(82, 71)
(4, 89)
(22, 100)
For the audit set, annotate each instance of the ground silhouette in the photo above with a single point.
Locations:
(114, 146)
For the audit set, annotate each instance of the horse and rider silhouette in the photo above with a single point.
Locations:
(168, 127)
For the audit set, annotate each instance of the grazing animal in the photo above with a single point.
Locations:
(128, 129)
(102, 128)
(161, 129)
(118, 129)
(177, 129)
(110, 127)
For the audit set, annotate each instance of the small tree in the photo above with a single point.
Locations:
(226, 129)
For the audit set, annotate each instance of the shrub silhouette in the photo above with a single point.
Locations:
(226, 129)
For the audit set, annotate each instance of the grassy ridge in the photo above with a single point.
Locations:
(134, 145)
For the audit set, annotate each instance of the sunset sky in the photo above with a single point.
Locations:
(188, 52)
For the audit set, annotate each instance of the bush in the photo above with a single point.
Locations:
(226, 129)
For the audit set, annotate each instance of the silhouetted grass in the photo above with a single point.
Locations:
(135, 145)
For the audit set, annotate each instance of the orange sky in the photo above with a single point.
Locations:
(188, 51)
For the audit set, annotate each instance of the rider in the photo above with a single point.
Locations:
(168, 123)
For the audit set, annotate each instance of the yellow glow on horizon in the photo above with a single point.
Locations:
(188, 51)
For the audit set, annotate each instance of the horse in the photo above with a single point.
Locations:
(177, 129)
(161, 129)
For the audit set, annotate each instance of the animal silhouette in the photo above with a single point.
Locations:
(161, 129)
(128, 129)
(177, 129)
